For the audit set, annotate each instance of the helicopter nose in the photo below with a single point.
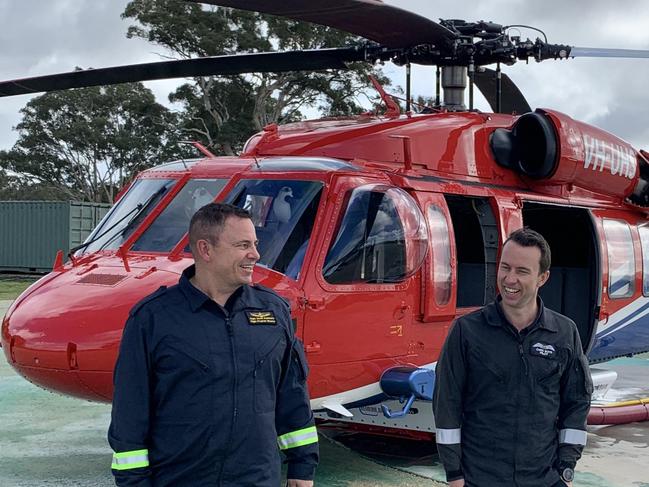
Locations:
(64, 334)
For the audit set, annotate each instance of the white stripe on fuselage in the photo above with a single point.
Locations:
(369, 390)
(355, 395)
(610, 325)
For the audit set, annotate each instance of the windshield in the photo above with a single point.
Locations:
(283, 212)
(128, 213)
(172, 224)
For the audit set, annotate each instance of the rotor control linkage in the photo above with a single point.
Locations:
(407, 384)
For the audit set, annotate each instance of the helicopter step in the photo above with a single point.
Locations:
(407, 384)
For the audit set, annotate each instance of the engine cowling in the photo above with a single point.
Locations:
(550, 148)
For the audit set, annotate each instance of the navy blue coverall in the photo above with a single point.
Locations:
(208, 395)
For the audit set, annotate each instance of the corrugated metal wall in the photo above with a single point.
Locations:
(84, 217)
(31, 232)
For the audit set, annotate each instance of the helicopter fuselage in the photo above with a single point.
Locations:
(379, 231)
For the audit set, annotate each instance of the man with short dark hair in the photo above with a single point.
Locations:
(512, 385)
(210, 382)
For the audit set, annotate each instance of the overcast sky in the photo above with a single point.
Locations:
(40, 37)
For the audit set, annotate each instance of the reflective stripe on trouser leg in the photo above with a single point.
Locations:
(574, 437)
(130, 459)
(302, 437)
(448, 436)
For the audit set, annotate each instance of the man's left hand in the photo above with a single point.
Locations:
(299, 483)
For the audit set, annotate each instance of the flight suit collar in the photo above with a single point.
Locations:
(243, 297)
(495, 316)
(195, 296)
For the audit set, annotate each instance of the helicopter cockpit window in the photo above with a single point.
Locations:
(621, 260)
(283, 212)
(123, 218)
(170, 226)
(382, 238)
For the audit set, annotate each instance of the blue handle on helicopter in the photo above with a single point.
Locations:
(389, 414)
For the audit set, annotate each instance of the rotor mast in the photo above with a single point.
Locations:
(454, 82)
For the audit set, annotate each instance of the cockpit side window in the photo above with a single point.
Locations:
(283, 212)
(170, 226)
(378, 228)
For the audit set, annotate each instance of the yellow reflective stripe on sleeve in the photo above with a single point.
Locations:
(302, 437)
(130, 459)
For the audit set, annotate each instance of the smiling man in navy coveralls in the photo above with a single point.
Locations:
(210, 382)
(512, 383)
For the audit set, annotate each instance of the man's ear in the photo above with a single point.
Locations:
(543, 278)
(204, 249)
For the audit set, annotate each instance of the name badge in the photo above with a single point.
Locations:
(543, 350)
(261, 318)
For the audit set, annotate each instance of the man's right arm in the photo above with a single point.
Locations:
(129, 427)
(450, 375)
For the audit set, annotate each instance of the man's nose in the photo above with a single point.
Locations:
(254, 253)
(509, 277)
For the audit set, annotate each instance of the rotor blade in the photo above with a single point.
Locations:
(372, 19)
(187, 68)
(512, 100)
(605, 52)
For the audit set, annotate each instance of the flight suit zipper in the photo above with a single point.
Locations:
(233, 356)
(523, 374)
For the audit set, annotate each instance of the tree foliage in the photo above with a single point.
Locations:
(222, 112)
(87, 142)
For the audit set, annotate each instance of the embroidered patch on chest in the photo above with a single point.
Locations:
(261, 318)
(543, 350)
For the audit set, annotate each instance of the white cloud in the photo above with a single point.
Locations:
(49, 37)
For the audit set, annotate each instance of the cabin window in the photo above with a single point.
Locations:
(377, 227)
(441, 259)
(621, 261)
(170, 226)
(643, 230)
(283, 212)
(123, 218)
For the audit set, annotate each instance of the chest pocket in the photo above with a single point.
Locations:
(487, 369)
(268, 371)
(546, 364)
(182, 370)
(175, 354)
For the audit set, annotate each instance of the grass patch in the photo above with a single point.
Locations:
(10, 289)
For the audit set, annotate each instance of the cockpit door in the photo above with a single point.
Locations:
(362, 292)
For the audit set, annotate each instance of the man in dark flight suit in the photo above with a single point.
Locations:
(210, 383)
(512, 383)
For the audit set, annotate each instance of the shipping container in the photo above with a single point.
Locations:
(32, 232)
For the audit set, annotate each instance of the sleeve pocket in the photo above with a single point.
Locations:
(585, 370)
(298, 361)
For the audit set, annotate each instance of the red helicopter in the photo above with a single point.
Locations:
(380, 230)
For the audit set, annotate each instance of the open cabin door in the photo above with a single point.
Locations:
(479, 227)
(574, 286)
